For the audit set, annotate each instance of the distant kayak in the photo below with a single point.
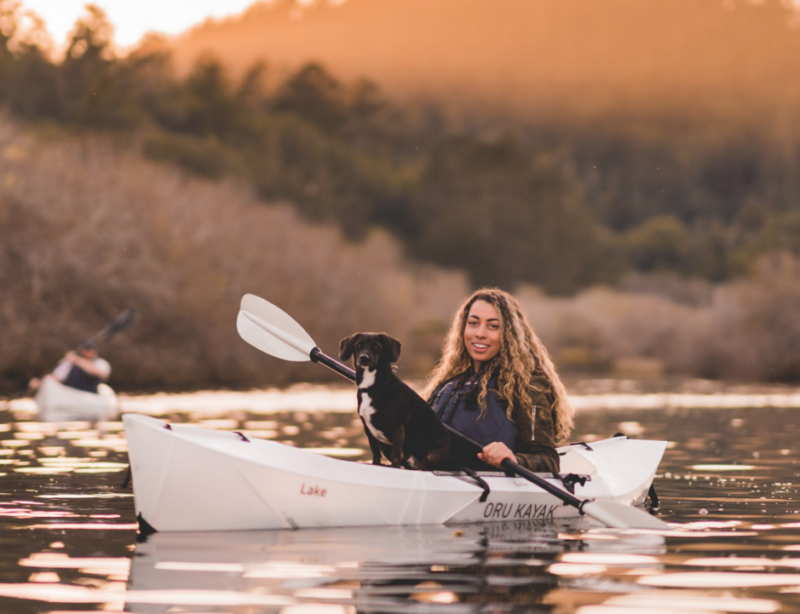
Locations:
(60, 403)
(187, 478)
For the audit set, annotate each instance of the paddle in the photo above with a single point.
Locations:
(274, 332)
(122, 321)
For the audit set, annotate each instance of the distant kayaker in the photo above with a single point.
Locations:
(496, 383)
(83, 369)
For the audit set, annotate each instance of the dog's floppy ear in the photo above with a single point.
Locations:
(392, 347)
(347, 345)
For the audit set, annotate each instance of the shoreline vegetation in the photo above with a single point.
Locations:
(123, 185)
(89, 227)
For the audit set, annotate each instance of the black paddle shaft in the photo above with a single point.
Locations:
(318, 356)
(122, 321)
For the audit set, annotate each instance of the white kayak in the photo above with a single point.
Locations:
(188, 478)
(60, 403)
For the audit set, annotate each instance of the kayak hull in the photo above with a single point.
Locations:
(60, 403)
(191, 479)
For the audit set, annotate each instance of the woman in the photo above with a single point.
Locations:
(496, 383)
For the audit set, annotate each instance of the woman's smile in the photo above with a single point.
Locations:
(483, 333)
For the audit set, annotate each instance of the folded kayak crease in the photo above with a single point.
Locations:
(289, 523)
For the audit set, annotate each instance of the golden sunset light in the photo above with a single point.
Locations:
(132, 20)
(400, 305)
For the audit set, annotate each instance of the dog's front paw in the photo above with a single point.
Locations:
(414, 463)
(376, 461)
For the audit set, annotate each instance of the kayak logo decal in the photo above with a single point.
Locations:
(314, 491)
(521, 511)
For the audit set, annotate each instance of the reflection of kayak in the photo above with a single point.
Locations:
(191, 479)
(58, 403)
(409, 545)
(365, 569)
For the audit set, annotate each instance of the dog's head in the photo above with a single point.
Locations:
(370, 350)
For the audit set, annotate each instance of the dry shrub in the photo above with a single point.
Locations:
(745, 330)
(89, 228)
(757, 328)
(601, 326)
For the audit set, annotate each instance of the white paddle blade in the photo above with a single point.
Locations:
(621, 516)
(273, 331)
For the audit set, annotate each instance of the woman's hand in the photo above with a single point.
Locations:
(495, 453)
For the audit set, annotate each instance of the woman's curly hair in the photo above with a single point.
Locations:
(521, 354)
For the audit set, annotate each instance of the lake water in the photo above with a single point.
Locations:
(68, 536)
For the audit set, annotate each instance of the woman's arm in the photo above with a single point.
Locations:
(99, 367)
(495, 453)
(536, 444)
(535, 447)
(541, 458)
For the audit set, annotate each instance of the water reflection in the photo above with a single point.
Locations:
(380, 569)
(68, 534)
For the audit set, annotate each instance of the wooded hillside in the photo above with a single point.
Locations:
(88, 228)
(561, 204)
(125, 183)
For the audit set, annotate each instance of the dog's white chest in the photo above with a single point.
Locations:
(366, 410)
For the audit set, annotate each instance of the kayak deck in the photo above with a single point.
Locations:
(192, 479)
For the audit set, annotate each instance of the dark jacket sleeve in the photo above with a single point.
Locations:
(536, 444)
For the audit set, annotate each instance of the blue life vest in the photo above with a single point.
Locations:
(456, 404)
(80, 379)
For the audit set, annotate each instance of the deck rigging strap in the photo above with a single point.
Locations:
(571, 479)
(480, 481)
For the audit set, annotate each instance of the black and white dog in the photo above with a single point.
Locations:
(398, 422)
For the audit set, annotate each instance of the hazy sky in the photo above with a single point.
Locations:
(132, 18)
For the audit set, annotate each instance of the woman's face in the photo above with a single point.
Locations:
(483, 332)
